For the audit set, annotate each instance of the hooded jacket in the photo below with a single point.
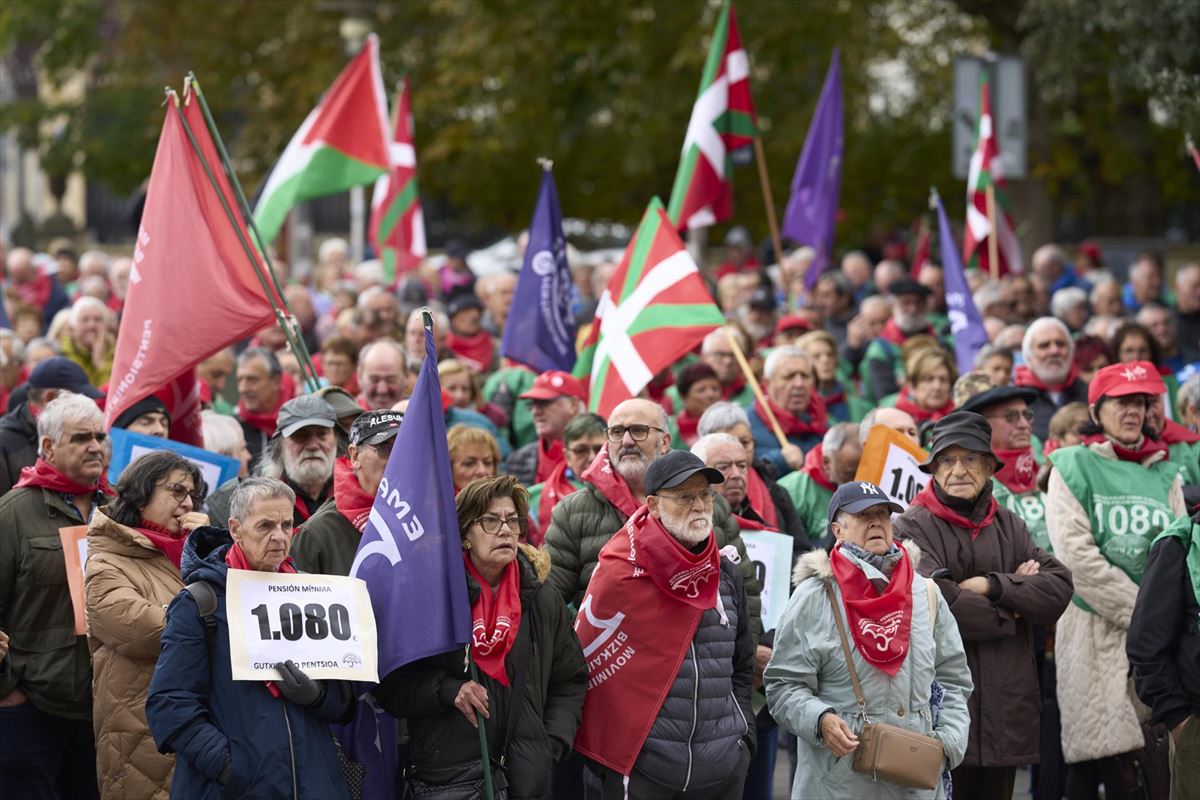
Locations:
(18, 445)
(274, 748)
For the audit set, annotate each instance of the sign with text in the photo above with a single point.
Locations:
(75, 547)
(128, 446)
(891, 461)
(324, 623)
(771, 554)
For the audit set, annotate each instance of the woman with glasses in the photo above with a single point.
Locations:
(134, 549)
(583, 439)
(523, 673)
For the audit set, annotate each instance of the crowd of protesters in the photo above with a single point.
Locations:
(1033, 608)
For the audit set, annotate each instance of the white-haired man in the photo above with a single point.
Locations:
(90, 341)
(1049, 368)
(1187, 310)
(302, 452)
(790, 386)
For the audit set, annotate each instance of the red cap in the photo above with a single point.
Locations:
(1118, 380)
(555, 384)
(789, 321)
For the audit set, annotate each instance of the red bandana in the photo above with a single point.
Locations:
(169, 543)
(927, 499)
(760, 500)
(892, 333)
(43, 475)
(348, 496)
(495, 619)
(1174, 433)
(905, 403)
(549, 455)
(879, 623)
(1148, 448)
(554, 488)
(265, 420)
(1019, 472)
(475, 351)
(689, 427)
(792, 425)
(236, 559)
(600, 473)
(1024, 377)
(814, 468)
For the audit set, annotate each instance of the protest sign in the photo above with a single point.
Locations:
(128, 446)
(771, 553)
(324, 623)
(75, 547)
(891, 461)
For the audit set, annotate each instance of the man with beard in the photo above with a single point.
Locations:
(301, 453)
(717, 352)
(382, 375)
(1049, 370)
(826, 467)
(882, 366)
(667, 712)
(790, 385)
(614, 487)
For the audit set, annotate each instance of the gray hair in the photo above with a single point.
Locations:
(83, 304)
(718, 335)
(222, 433)
(1039, 325)
(875, 300)
(840, 282)
(251, 490)
(864, 427)
(1066, 299)
(720, 417)
(66, 407)
(98, 256)
(1189, 395)
(989, 350)
(991, 292)
(836, 436)
(781, 353)
(705, 443)
(330, 246)
(270, 359)
(368, 294)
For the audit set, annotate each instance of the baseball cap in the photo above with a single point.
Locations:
(793, 321)
(856, 497)
(554, 384)
(375, 427)
(676, 466)
(302, 411)
(61, 372)
(1118, 380)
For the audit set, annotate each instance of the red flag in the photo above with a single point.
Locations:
(192, 289)
(986, 170)
(921, 254)
(397, 226)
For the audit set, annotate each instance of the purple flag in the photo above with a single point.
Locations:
(809, 218)
(540, 331)
(966, 326)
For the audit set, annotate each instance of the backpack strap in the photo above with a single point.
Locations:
(206, 601)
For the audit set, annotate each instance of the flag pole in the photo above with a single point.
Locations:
(483, 744)
(754, 387)
(993, 234)
(768, 199)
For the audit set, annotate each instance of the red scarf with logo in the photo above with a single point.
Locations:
(265, 420)
(348, 496)
(927, 499)
(1024, 377)
(495, 619)
(554, 488)
(169, 543)
(892, 333)
(1148, 448)
(601, 474)
(880, 624)
(644, 579)
(905, 403)
(1174, 433)
(689, 427)
(549, 455)
(1019, 472)
(759, 497)
(43, 475)
(792, 425)
(814, 468)
(476, 350)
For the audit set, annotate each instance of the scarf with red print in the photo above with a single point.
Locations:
(495, 619)
(880, 623)
(1019, 472)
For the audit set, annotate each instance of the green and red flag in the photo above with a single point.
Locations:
(656, 308)
(397, 227)
(722, 123)
(987, 170)
(342, 143)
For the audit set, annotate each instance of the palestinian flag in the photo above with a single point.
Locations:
(722, 122)
(987, 170)
(656, 308)
(342, 143)
(397, 228)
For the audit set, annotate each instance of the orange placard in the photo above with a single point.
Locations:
(74, 545)
(890, 461)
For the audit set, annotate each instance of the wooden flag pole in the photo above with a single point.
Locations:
(753, 383)
(993, 234)
(768, 199)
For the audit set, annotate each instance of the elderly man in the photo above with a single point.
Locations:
(882, 367)
(496, 292)
(790, 385)
(380, 313)
(717, 352)
(260, 396)
(826, 467)
(1070, 304)
(873, 313)
(614, 487)
(756, 504)
(1049, 369)
(382, 375)
(414, 337)
(555, 399)
(302, 452)
(328, 541)
(1105, 297)
(892, 418)
(998, 585)
(1158, 319)
(1187, 310)
(667, 712)
(89, 342)
(46, 683)
(118, 280)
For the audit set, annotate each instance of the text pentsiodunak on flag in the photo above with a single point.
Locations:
(655, 309)
(987, 170)
(342, 143)
(192, 288)
(397, 227)
(722, 122)
(966, 323)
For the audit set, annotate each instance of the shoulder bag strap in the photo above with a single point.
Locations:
(841, 626)
(930, 588)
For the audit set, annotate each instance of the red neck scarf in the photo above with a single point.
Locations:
(759, 497)
(892, 333)
(169, 543)
(554, 488)
(792, 425)
(495, 619)
(550, 454)
(236, 559)
(926, 498)
(475, 350)
(1174, 433)
(265, 420)
(905, 403)
(731, 390)
(1019, 472)
(814, 468)
(689, 427)
(43, 475)
(348, 496)
(601, 474)
(1024, 377)
(1148, 448)
(35, 293)
(879, 623)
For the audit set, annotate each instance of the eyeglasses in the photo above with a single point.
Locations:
(581, 450)
(181, 492)
(1012, 416)
(86, 436)
(492, 524)
(638, 432)
(688, 499)
(970, 461)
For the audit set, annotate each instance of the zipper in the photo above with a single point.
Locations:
(291, 750)
(741, 713)
(695, 712)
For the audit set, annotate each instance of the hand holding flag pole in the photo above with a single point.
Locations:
(752, 382)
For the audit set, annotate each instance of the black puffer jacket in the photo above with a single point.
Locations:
(697, 738)
(18, 445)
(440, 736)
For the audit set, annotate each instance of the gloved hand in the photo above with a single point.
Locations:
(298, 687)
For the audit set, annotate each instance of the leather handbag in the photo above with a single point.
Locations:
(886, 752)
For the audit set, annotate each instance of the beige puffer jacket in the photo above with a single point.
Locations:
(1101, 715)
(128, 584)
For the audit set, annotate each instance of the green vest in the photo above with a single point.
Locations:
(1187, 456)
(811, 501)
(1127, 504)
(1188, 533)
(1030, 507)
(880, 350)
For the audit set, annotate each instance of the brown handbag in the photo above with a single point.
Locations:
(886, 752)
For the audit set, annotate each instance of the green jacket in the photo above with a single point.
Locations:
(46, 660)
(811, 500)
(504, 388)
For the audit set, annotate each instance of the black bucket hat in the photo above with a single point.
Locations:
(964, 429)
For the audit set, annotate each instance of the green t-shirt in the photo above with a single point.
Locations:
(811, 501)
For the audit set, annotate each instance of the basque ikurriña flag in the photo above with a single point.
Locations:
(966, 324)
(540, 333)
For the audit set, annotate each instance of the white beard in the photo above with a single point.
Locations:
(689, 533)
(306, 470)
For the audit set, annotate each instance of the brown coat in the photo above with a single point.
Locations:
(128, 584)
(996, 633)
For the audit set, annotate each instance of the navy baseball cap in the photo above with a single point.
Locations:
(61, 372)
(856, 497)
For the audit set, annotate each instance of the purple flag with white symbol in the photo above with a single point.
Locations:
(812, 208)
(966, 325)
(540, 331)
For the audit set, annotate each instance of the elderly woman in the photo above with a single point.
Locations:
(474, 454)
(998, 585)
(931, 374)
(875, 591)
(1107, 499)
(583, 439)
(240, 738)
(523, 651)
(134, 548)
(699, 387)
(840, 405)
